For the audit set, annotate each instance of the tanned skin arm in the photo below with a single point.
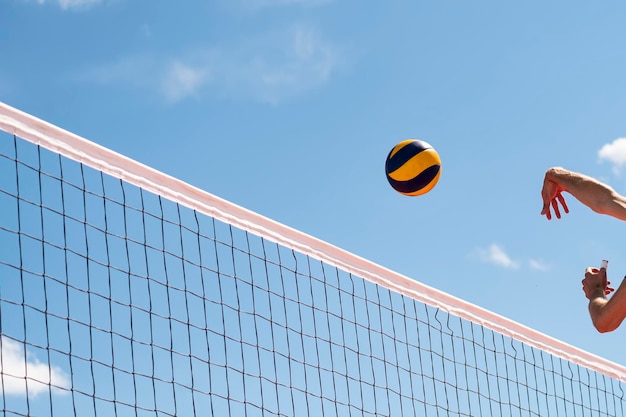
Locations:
(606, 313)
(594, 194)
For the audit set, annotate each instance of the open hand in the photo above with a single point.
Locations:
(551, 195)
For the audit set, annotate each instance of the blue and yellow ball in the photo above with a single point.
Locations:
(413, 167)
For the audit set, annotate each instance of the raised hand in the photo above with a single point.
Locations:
(551, 195)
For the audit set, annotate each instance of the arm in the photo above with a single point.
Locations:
(606, 313)
(597, 196)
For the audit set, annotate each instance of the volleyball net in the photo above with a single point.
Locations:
(126, 292)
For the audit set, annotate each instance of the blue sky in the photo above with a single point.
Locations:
(289, 108)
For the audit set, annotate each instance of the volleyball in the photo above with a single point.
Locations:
(413, 167)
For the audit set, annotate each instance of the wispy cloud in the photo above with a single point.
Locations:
(271, 68)
(77, 4)
(494, 254)
(172, 79)
(259, 4)
(136, 72)
(71, 4)
(281, 65)
(181, 80)
(615, 153)
(538, 265)
(19, 370)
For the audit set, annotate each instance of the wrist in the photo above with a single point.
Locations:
(597, 292)
(552, 174)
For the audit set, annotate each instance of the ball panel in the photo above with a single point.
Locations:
(404, 151)
(427, 188)
(416, 164)
(418, 185)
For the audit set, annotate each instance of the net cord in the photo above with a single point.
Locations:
(72, 146)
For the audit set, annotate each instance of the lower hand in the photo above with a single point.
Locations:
(595, 283)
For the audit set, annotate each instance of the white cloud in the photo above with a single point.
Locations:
(271, 68)
(258, 4)
(494, 254)
(72, 4)
(181, 81)
(140, 72)
(172, 79)
(538, 265)
(615, 153)
(19, 370)
(283, 66)
(77, 4)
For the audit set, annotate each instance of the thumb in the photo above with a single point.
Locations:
(603, 276)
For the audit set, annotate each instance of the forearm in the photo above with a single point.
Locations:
(599, 197)
(606, 314)
(597, 311)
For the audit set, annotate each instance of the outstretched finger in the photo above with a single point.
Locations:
(546, 211)
(563, 203)
(555, 207)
